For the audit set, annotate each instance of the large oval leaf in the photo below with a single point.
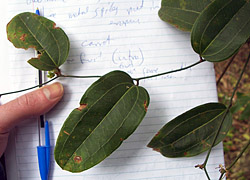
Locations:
(182, 13)
(192, 132)
(221, 29)
(110, 110)
(28, 30)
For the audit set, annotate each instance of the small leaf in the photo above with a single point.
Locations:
(110, 110)
(182, 13)
(221, 29)
(192, 132)
(28, 30)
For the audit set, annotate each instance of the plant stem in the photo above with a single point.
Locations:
(238, 157)
(176, 70)
(205, 169)
(221, 176)
(71, 76)
(224, 71)
(30, 87)
(227, 110)
(136, 79)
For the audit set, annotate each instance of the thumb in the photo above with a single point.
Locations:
(31, 104)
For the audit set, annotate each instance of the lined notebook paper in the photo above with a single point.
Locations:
(122, 35)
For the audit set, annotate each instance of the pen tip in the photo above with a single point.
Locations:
(37, 11)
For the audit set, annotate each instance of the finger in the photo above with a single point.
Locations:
(31, 104)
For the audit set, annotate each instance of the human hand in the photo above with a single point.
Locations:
(31, 104)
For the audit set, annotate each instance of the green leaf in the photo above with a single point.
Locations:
(192, 132)
(110, 110)
(245, 113)
(221, 29)
(28, 30)
(241, 104)
(182, 13)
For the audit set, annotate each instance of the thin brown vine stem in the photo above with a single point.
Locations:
(224, 71)
(221, 176)
(205, 169)
(239, 156)
(18, 91)
(227, 110)
(72, 76)
(176, 70)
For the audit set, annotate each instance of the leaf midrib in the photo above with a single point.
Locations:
(117, 128)
(189, 119)
(86, 113)
(91, 87)
(221, 29)
(193, 130)
(232, 39)
(39, 41)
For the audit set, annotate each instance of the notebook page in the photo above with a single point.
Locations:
(126, 35)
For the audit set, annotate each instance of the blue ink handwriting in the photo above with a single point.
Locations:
(84, 59)
(136, 8)
(110, 9)
(127, 59)
(105, 42)
(125, 22)
(40, 1)
(80, 12)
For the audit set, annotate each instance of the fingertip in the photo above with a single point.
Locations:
(31, 104)
(53, 92)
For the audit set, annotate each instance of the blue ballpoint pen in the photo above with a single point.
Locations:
(43, 152)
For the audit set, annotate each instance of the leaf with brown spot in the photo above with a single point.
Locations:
(221, 29)
(82, 106)
(182, 13)
(191, 133)
(112, 114)
(28, 30)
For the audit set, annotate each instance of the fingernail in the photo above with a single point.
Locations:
(53, 91)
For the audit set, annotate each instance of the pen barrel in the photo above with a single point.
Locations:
(47, 145)
(47, 159)
(42, 161)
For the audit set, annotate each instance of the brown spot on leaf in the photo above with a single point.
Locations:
(205, 144)
(54, 26)
(78, 159)
(66, 132)
(185, 153)
(157, 133)
(121, 139)
(157, 149)
(145, 106)
(82, 106)
(22, 38)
